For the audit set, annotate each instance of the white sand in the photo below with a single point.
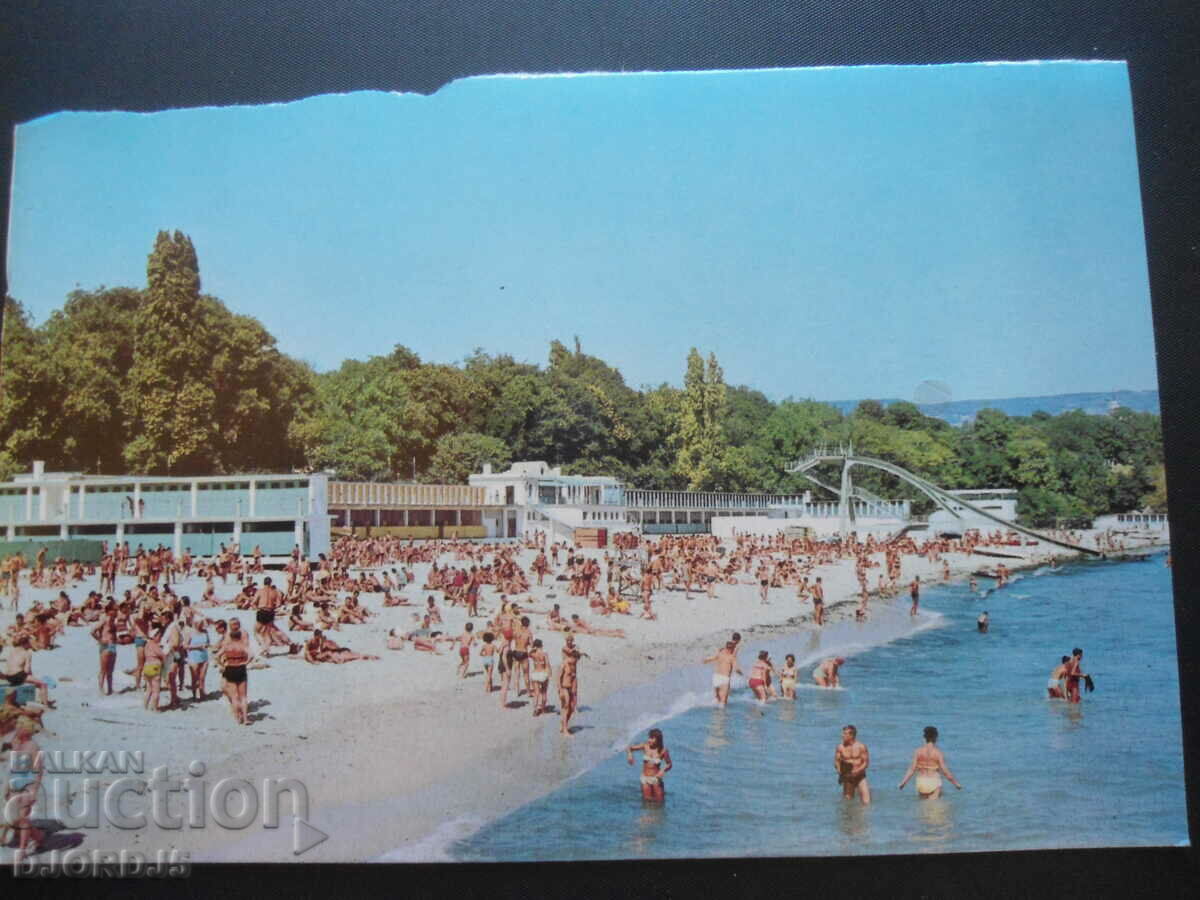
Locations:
(399, 754)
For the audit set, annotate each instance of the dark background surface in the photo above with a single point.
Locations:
(156, 54)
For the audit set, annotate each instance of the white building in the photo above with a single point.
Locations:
(537, 496)
(275, 512)
(999, 502)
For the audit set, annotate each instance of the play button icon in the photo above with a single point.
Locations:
(305, 837)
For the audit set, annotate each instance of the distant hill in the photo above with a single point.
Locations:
(956, 412)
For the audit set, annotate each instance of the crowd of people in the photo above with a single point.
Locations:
(137, 602)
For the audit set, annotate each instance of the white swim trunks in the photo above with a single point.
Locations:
(720, 680)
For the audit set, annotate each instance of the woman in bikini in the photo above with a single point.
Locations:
(787, 677)
(760, 676)
(656, 763)
(929, 765)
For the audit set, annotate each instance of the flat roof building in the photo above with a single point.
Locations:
(275, 512)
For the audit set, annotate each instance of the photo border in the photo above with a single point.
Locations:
(147, 55)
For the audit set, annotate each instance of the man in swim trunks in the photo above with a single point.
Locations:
(929, 765)
(724, 665)
(1054, 686)
(826, 672)
(914, 591)
(818, 601)
(850, 760)
(266, 600)
(568, 685)
(105, 634)
(1073, 675)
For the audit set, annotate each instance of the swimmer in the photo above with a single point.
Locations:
(724, 665)
(826, 672)
(1074, 675)
(982, 623)
(760, 676)
(1055, 686)
(787, 677)
(656, 763)
(929, 765)
(850, 760)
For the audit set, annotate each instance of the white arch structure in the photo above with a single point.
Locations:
(947, 501)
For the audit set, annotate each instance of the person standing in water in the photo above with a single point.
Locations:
(982, 623)
(787, 677)
(851, 759)
(1074, 675)
(724, 665)
(929, 765)
(914, 591)
(1055, 686)
(656, 763)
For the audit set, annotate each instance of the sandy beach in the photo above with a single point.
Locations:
(399, 755)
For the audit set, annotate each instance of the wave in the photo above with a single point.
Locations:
(435, 846)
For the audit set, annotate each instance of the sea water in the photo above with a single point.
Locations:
(753, 780)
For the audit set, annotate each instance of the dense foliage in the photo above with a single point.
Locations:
(166, 380)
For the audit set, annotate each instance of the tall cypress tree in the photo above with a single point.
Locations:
(702, 442)
(169, 399)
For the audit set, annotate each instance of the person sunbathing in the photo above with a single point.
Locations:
(11, 711)
(579, 626)
(19, 670)
(350, 613)
(319, 649)
(325, 617)
(296, 619)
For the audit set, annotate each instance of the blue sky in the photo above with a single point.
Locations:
(834, 233)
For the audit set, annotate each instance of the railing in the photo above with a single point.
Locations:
(714, 500)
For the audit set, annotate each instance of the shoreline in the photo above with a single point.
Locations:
(399, 757)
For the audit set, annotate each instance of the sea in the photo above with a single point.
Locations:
(758, 780)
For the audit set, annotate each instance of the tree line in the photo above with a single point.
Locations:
(167, 380)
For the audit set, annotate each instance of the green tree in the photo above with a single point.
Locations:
(90, 350)
(170, 403)
(357, 427)
(30, 410)
(748, 412)
(459, 455)
(701, 433)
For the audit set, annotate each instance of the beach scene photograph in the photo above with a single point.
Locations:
(607, 466)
